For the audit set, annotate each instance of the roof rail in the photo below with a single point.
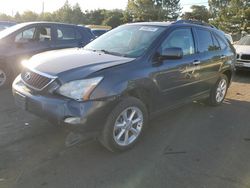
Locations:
(195, 22)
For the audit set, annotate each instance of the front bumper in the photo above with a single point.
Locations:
(242, 64)
(92, 115)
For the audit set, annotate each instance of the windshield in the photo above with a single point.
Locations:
(244, 41)
(127, 40)
(11, 29)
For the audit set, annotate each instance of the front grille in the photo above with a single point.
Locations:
(245, 57)
(238, 56)
(35, 80)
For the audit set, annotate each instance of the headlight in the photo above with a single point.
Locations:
(79, 89)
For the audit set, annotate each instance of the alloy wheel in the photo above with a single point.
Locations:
(221, 90)
(128, 126)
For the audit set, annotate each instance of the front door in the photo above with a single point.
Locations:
(177, 79)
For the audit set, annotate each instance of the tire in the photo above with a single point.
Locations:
(119, 125)
(5, 76)
(219, 91)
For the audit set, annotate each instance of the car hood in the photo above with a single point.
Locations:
(242, 49)
(76, 63)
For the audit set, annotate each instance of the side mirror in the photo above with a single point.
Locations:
(171, 53)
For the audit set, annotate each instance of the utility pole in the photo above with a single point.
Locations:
(42, 7)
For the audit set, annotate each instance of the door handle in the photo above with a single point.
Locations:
(196, 62)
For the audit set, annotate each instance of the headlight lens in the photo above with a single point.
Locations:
(79, 89)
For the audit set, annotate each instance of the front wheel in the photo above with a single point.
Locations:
(125, 125)
(219, 91)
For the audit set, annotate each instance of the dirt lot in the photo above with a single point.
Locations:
(196, 146)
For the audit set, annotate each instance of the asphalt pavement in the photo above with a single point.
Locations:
(195, 146)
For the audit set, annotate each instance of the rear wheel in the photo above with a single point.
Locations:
(5, 76)
(125, 125)
(219, 91)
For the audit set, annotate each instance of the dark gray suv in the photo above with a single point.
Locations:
(124, 77)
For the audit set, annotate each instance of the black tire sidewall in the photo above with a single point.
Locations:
(106, 137)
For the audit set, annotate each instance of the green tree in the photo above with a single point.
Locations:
(172, 9)
(5, 17)
(77, 16)
(113, 18)
(95, 17)
(215, 6)
(153, 10)
(234, 17)
(200, 13)
(143, 10)
(64, 13)
(29, 16)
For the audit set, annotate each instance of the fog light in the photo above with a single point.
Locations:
(73, 120)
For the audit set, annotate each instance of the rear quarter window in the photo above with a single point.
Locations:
(67, 33)
(222, 43)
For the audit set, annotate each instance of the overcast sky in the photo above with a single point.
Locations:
(12, 6)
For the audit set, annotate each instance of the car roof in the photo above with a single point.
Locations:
(151, 23)
(99, 29)
(180, 23)
(44, 22)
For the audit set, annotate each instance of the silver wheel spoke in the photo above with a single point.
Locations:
(126, 139)
(120, 125)
(134, 131)
(120, 134)
(125, 116)
(136, 121)
(132, 115)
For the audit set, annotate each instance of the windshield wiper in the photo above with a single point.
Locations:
(108, 52)
(111, 53)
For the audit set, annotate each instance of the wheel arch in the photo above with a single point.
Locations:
(229, 75)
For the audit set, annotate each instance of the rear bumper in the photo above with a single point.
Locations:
(92, 115)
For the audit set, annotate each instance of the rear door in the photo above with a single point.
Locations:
(211, 58)
(177, 78)
(67, 37)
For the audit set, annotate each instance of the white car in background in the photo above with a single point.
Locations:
(243, 53)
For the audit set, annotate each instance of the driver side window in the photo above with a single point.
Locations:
(26, 35)
(180, 38)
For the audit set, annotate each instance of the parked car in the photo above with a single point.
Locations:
(121, 79)
(243, 53)
(99, 32)
(21, 41)
(6, 24)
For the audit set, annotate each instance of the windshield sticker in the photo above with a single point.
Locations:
(151, 29)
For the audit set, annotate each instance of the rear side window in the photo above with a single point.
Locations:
(205, 41)
(223, 45)
(216, 44)
(67, 33)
